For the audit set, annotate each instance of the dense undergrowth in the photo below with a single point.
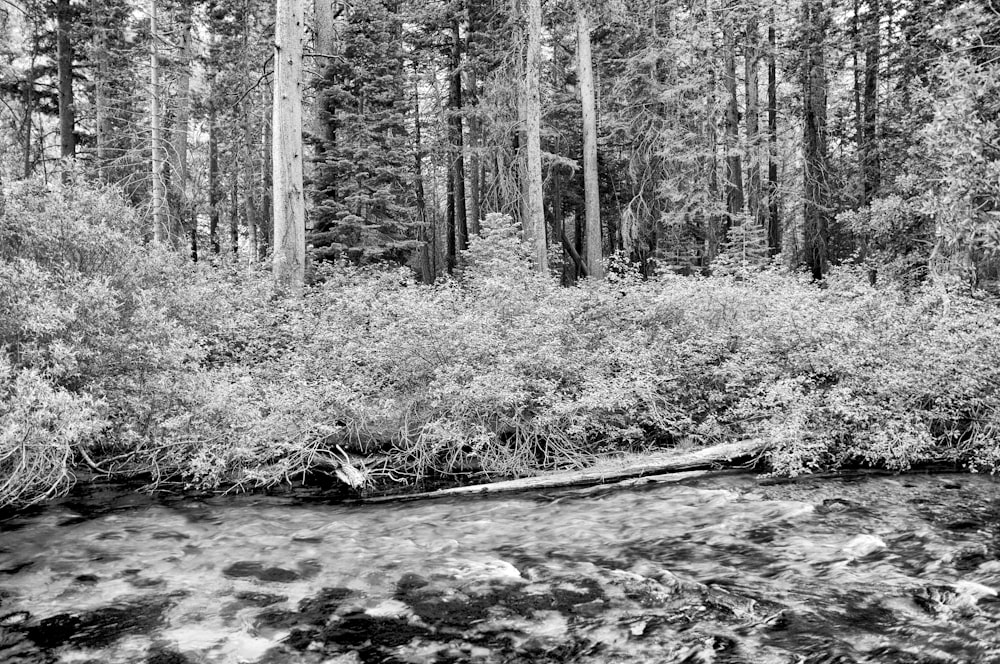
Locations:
(125, 359)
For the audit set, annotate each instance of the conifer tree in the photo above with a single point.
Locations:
(365, 207)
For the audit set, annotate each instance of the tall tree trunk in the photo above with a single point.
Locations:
(474, 28)
(250, 210)
(457, 170)
(234, 210)
(591, 191)
(534, 223)
(267, 170)
(161, 231)
(326, 13)
(251, 182)
(213, 178)
(814, 100)
(871, 165)
(65, 56)
(751, 61)
(773, 221)
(289, 202)
(858, 76)
(29, 102)
(426, 264)
(451, 228)
(734, 166)
(713, 225)
(475, 165)
(102, 116)
(179, 217)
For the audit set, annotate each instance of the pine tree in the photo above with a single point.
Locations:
(365, 207)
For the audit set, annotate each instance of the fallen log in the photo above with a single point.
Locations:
(642, 467)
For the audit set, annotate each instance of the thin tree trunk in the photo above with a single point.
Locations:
(713, 223)
(234, 211)
(289, 202)
(161, 232)
(325, 44)
(534, 223)
(267, 170)
(179, 138)
(29, 103)
(814, 100)
(475, 165)
(457, 189)
(858, 77)
(592, 196)
(476, 177)
(65, 55)
(751, 62)
(870, 160)
(734, 166)
(426, 266)
(101, 120)
(213, 178)
(773, 221)
(253, 221)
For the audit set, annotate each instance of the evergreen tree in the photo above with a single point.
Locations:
(365, 203)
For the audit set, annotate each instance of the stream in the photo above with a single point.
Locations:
(722, 569)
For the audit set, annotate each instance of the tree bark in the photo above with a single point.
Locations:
(101, 119)
(426, 264)
(29, 102)
(234, 210)
(751, 60)
(814, 107)
(734, 165)
(267, 170)
(326, 13)
(161, 232)
(534, 222)
(213, 178)
(457, 169)
(592, 196)
(289, 202)
(871, 163)
(65, 56)
(179, 221)
(475, 165)
(773, 221)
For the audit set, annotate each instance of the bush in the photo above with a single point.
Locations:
(126, 358)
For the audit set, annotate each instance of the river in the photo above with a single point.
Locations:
(722, 569)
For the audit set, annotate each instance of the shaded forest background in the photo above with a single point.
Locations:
(814, 133)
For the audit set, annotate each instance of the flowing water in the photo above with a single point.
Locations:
(725, 569)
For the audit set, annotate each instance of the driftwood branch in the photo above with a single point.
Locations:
(643, 471)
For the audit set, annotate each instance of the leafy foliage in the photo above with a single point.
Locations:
(122, 358)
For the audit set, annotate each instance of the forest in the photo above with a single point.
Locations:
(397, 244)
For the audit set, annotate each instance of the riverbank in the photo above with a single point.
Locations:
(126, 361)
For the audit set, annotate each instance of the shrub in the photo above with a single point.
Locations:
(127, 358)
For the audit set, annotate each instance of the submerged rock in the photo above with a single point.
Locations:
(166, 656)
(103, 626)
(246, 568)
(317, 610)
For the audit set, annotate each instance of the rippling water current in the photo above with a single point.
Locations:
(883, 569)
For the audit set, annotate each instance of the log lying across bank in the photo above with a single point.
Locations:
(661, 468)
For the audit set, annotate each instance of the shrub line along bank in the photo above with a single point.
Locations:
(127, 358)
